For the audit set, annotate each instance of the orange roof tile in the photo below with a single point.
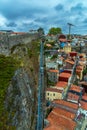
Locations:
(66, 103)
(75, 88)
(83, 105)
(72, 96)
(53, 70)
(84, 97)
(54, 90)
(70, 61)
(59, 120)
(18, 33)
(61, 84)
(64, 113)
(53, 127)
(66, 75)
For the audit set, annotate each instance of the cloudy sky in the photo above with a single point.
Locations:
(24, 15)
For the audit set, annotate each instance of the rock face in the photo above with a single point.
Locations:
(21, 101)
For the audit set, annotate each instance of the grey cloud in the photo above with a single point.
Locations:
(11, 24)
(59, 7)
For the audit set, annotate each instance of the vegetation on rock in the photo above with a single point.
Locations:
(7, 68)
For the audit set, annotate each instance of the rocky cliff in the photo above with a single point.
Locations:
(20, 95)
(21, 101)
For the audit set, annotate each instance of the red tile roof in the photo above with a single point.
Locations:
(18, 33)
(54, 127)
(64, 76)
(54, 90)
(73, 53)
(61, 84)
(84, 97)
(53, 71)
(66, 103)
(83, 105)
(63, 113)
(75, 88)
(70, 61)
(59, 120)
(67, 75)
(73, 97)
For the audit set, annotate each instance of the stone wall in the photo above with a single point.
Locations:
(8, 41)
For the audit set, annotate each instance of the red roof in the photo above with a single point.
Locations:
(54, 90)
(73, 97)
(64, 76)
(60, 120)
(18, 33)
(70, 61)
(84, 97)
(61, 84)
(64, 113)
(75, 88)
(54, 127)
(83, 105)
(73, 54)
(66, 103)
(53, 71)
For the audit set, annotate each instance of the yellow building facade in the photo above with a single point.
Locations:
(67, 49)
(53, 93)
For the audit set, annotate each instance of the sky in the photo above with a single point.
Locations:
(25, 15)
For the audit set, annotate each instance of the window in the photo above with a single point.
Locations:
(53, 94)
(48, 94)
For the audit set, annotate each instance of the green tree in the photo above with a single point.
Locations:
(55, 31)
(41, 31)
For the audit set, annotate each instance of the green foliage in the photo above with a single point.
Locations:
(55, 31)
(54, 57)
(7, 67)
(84, 71)
(41, 30)
(18, 45)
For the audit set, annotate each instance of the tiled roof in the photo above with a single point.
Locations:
(72, 96)
(54, 90)
(61, 84)
(83, 105)
(67, 75)
(18, 33)
(59, 120)
(84, 97)
(54, 127)
(64, 113)
(64, 77)
(75, 88)
(70, 61)
(66, 103)
(73, 53)
(53, 71)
